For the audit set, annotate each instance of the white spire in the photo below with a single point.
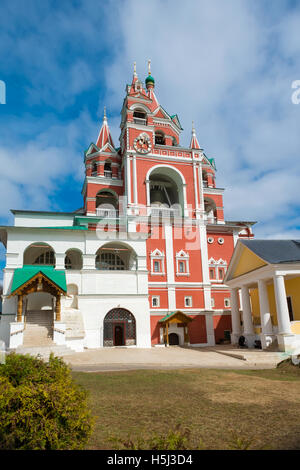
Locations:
(149, 67)
(134, 69)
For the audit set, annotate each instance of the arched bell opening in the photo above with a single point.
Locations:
(107, 204)
(160, 138)
(139, 116)
(166, 191)
(107, 169)
(210, 210)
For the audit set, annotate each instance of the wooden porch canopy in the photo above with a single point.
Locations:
(178, 317)
(31, 279)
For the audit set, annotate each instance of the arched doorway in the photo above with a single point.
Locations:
(173, 339)
(119, 328)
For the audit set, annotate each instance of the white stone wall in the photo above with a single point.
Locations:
(98, 291)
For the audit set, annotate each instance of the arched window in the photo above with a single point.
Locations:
(174, 142)
(73, 259)
(139, 117)
(204, 178)
(109, 261)
(159, 138)
(210, 210)
(107, 204)
(115, 257)
(94, 169)
(45, 258)
(107, 170)
(39, 253)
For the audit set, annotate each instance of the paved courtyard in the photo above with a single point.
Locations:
(218, 357)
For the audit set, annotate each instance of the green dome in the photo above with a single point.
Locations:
(149, 79)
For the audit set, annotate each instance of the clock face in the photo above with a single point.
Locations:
(142, 143)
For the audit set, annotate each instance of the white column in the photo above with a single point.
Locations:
(148, 196)
(60, 260)
(247, 317)
(265, 315)
(168, 233)
(284, 324)
(128, 179)
(235, 316)
(186, 212)
(134, 179)
(195, 187)
(201, 187)
(210, 332)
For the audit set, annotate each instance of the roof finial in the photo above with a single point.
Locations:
(104, 114)
(193, 128)
(149, 67)
(134, 69)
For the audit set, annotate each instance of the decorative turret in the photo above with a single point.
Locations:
(104, 134)
(149, 80)
(194, 141)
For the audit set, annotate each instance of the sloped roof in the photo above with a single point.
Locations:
(173, 314)
(275, 251)
(22, 275)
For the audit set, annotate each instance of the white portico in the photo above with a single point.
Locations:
(264, 277)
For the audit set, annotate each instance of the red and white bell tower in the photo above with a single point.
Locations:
(171, 197)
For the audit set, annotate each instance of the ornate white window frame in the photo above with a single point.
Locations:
(157, 255)
(190, 301)
(182, 256)
(215, 265)
(157, 297)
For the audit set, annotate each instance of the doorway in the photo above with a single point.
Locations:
(173, 339)
(119, 335)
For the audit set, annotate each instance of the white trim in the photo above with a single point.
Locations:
(157, 297)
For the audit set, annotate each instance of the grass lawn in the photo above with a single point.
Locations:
(216, 405)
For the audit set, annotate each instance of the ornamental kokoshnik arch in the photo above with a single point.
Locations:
(119, 328)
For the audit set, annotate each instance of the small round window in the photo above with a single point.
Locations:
(221, 241)
(210, 240)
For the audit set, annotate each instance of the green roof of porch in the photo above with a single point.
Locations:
(22, 275)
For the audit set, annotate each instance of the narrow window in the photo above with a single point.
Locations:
(211, 273)
(157, 267)
(221, 273)
(188, 301)
(181, 266)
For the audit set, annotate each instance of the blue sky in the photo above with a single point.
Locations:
(228, 66)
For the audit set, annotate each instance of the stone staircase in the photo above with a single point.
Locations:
(38, 328)
(38, 334)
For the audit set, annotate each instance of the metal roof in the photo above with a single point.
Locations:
(275, 251)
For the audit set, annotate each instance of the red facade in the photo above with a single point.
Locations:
(188, 251)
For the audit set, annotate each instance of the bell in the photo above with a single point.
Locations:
(157, 197)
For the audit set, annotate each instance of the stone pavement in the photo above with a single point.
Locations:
(174, 357)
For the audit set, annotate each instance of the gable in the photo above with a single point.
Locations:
(247, 262)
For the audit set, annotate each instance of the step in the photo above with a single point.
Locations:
(45, 351)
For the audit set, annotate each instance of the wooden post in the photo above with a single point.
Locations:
(57, 308)
(20, 308)
(167, 325)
